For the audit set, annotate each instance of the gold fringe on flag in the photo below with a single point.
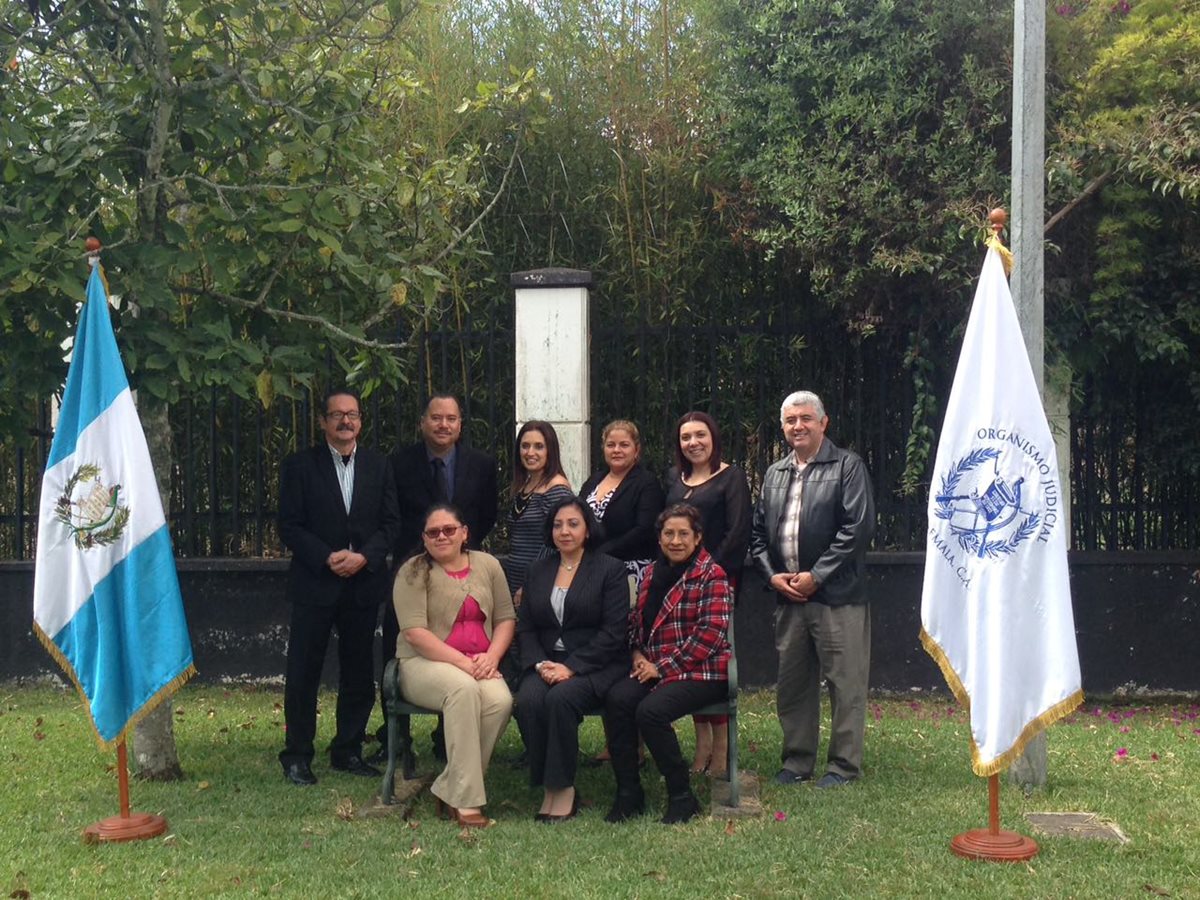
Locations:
(1039, 723)
(146, 708)
(1006, 256)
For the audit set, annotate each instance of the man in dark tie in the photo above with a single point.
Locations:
(338, 516)
(437, 469)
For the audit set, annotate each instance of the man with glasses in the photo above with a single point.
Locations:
(437, 469)
(338, 516)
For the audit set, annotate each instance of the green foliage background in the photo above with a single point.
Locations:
(768, 191)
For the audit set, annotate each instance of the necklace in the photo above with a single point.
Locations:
(570, 567)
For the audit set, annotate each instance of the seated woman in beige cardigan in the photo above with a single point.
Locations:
(456, 622)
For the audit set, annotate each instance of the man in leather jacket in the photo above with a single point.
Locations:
(812, 525)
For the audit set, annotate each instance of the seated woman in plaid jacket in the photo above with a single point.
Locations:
(678, 633)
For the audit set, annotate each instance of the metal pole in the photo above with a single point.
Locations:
(1028, 214)
(1029, 174)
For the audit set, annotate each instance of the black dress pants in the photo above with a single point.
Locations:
(549, 717)
(308, 639)
(632, 707)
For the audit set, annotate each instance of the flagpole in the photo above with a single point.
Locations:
(993, 843)
(127, 826)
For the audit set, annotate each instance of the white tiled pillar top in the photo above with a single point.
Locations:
(552, 359)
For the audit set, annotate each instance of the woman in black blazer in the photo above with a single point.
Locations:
(626, 497)
(572, 633)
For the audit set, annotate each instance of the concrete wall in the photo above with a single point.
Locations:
(1137, 616)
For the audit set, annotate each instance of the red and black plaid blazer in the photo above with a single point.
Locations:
(689, 637)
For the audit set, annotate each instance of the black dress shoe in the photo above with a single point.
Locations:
(299, 773)
(547, 819)
(626, 805)
(681, 808)
(355, 766)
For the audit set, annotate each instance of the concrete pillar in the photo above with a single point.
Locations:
(552, 341)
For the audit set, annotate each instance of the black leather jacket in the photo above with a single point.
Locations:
(837, 521)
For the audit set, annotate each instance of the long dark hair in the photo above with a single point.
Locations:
(553, 456)
(714, 461)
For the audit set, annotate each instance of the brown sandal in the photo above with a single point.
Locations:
(472, 820)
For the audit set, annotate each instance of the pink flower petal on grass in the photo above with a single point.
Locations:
(1122, 752)
(780, 815)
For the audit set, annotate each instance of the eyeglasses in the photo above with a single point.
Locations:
(444, 531)
(338, 415)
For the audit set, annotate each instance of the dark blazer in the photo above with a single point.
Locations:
(595, 618)
(628, 523)
(313, 523)
(475, 495)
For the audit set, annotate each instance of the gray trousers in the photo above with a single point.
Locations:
(818, 642)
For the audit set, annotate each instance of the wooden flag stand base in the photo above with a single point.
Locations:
(991, 843)
(127, 826)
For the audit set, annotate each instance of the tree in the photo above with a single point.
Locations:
(247, 166)
(869, 140)
(1124, 172)
(251, 170)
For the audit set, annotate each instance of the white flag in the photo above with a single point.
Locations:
(996, 604)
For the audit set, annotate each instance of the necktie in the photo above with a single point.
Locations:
(439, 480)
(345, 459)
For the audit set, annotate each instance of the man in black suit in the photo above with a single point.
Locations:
(338, 516)
(437, 469)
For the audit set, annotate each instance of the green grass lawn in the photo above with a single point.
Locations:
(238, 829)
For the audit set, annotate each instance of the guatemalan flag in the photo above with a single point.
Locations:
(996, 605)
(106, 599)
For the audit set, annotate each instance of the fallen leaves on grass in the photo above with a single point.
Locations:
(345, 809)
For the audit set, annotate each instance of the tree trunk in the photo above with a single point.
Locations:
(154, 754)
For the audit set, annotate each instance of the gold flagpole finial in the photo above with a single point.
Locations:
(997, 219)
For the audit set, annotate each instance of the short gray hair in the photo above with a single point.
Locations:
(802, 398)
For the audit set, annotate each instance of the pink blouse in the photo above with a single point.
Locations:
(467, 634)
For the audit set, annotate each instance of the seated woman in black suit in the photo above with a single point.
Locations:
(571, 631)
(626, 498)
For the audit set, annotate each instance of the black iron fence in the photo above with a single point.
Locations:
(736, 365)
